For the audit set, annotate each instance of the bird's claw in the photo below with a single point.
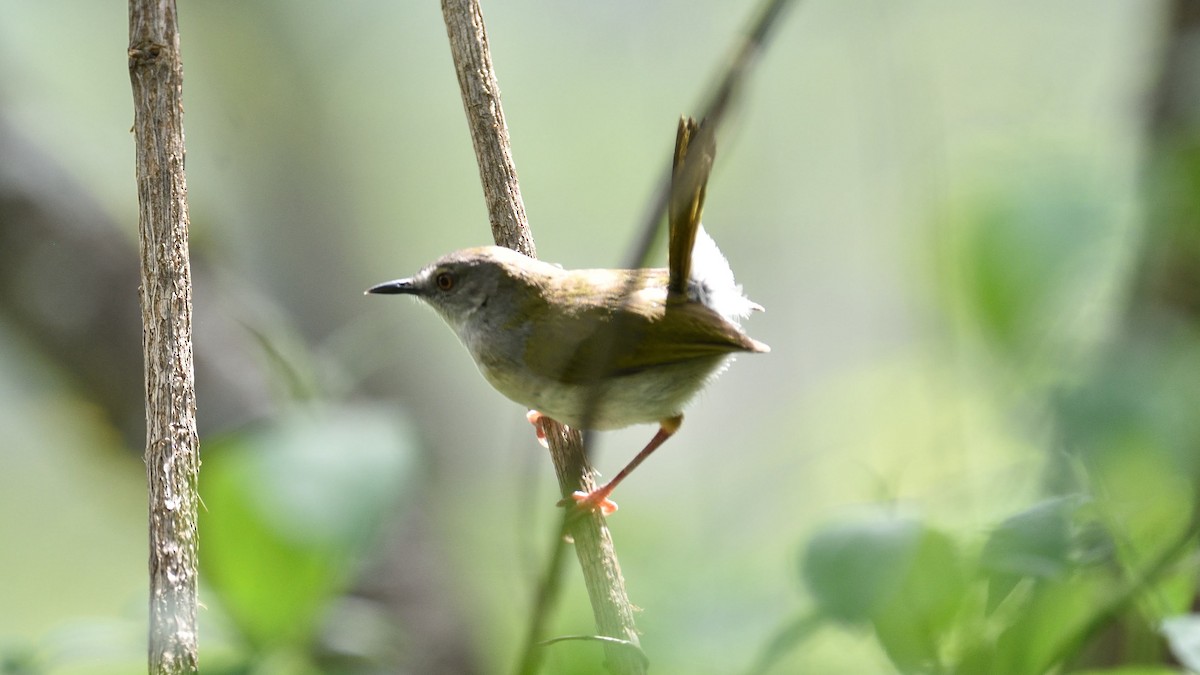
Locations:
(535, 418)
(597, 500)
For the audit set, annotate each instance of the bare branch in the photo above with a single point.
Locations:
(172, 446)
(593, 544)
(489, 131)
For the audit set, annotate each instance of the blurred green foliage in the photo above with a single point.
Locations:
(290, 512)
(978, 428)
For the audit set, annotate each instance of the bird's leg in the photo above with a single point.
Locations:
(598, 499)
(535, 418)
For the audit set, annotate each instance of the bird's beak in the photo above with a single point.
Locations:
(397, 287)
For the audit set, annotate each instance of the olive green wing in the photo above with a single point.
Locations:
(606, 341)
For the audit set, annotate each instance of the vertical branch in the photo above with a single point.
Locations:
(489, 131)
(172, 448)
(593, 544)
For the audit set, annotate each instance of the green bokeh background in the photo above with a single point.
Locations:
(937, 203)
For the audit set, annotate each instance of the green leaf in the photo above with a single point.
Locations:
(852, 568)
(1035, 543)
(905, 578)
(1027, 254)
(289, 511)
(912, 625)
(1053, 615)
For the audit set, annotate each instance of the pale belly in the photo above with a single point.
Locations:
(639, 398)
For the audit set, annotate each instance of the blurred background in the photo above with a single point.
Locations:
(973, 226)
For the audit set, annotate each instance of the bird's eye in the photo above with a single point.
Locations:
(444, 281)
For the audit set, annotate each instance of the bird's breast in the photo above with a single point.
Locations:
(643, 397)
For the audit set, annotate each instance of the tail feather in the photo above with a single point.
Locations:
(690, 168)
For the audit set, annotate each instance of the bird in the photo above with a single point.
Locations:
(600, 348)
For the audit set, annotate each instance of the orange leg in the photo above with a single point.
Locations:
(598, 499)
(535, 418)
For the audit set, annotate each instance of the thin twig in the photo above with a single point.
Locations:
(786, 638)
(593, 544)
(172, 446)
(712, 111)
(1164, 562)
(594, 638)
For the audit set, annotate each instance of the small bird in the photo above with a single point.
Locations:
(599, 348)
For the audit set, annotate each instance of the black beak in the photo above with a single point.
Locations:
(397, 287)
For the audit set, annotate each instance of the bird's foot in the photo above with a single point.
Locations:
(535, 418)
(596, 500)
